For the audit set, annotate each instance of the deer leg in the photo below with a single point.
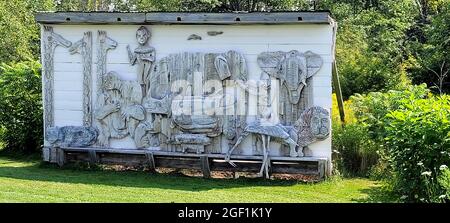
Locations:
(238, 141)
(261, 171)
(292, 151)
(267, 158)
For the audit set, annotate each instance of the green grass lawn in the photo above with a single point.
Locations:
(23, 180)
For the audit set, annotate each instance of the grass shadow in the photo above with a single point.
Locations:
(377, 194)
(40, 171)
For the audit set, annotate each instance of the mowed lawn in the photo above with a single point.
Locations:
(30, 181)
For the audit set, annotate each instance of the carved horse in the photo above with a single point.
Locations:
(50, 41)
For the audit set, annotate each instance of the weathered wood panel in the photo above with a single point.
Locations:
(184, 18)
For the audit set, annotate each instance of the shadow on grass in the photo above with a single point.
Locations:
(377, 194)
(39, 171)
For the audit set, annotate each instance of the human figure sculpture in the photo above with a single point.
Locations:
(120, 113)
(144, 56)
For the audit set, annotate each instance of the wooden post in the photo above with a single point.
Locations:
(151, 161)
(335, 75)
(60, 156)
(46, 154)
(205, 166)
(321, 169)
(337, 90)
(92, 157)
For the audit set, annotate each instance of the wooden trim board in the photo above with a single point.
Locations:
(311, 166)
(318, 17)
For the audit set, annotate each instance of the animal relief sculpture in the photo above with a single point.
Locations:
(84, 47)
(104, 44)
(293, 69)
(50, 40)
(71, 136)
(313, 125)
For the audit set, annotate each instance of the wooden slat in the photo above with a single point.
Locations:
(123, 159)
(182, 163)
(252, 166)
(238, 18)
(316, 17)
(178, 154)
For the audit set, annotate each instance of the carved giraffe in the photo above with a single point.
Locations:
(84, 47)
(50, 41)
(104, 44)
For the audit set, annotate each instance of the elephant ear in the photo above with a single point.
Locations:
(313, 63)
(221, 64)
(270, 62)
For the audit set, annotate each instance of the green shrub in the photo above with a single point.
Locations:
(359, 145)
(370, 109)
(418, 144)
(356, 151)
(20, 106)
(444, 181)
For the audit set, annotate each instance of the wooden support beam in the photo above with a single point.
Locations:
(312, 166)
(321, 169)
(205, 166)
(151, 161)
(317, 17)
(92, 157)
(46, 154)
(337, 90)
(335, 77)
(61, 159)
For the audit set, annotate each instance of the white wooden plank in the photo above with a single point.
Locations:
(68, 117)
(68, 95)
(68, 105)
(322, 101)
(313, 34)
(321, 81)
(68, 86)
(75, 76)
(322, 91)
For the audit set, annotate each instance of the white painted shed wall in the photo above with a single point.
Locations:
(249, 40)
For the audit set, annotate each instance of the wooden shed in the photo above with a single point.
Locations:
(208, 91)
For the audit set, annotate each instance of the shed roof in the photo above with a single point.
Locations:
(235, 18)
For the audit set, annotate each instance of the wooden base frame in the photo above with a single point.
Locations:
(315, 167)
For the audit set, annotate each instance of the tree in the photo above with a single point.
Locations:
(19, 34)
(431, 50)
